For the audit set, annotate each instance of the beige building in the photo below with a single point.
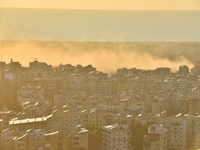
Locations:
(177, 128)
(196, 92)
(1, 129)
(32, 140)
(20, 143)
(78, 138)
(39, 66)
(115, 137)
(53, 141)
(6, 116)
(120, 86)
(73, 118)
(39, 140)
(36, 109)
(7, 136)
(112, 106)
(194, 106)
(28, 93)
(158, 105)
(156, 139)
(22, 125)
(196, 134)
(8, 93)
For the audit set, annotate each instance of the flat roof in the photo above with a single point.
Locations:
(134, 107)
(29, 120)
(83, 130)
(52, 133)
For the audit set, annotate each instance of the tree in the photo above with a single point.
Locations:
(94, 138)
(138, 132)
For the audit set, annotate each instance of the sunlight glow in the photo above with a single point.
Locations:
(106, 4)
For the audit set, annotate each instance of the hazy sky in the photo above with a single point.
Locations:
(106, 4)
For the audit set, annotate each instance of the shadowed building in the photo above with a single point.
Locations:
(156, 139)
(10, 81)
(1, 129)
(78, 138)
(183, 69)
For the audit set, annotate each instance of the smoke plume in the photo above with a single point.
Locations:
(105, 56)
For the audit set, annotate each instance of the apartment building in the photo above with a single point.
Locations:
(78, 138)
(53, 141)
(158, 105)
(115, 137)
(1, 129)
(196, 92)
(194, 106)
(156, 139)
(28, 93)
(22, 125)
(73, 118)
(7, 136)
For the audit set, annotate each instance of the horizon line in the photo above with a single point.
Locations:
(100, 9)
(33, 40)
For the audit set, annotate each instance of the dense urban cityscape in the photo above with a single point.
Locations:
(75, 107)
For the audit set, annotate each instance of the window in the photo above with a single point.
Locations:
(76, 143)
(76, 138)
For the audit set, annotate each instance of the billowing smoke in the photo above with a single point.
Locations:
(105, 56)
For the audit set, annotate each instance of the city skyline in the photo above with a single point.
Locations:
(99, 74)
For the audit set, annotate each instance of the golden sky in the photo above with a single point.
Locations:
(106, 4)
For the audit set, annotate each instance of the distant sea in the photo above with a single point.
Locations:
(99, 25)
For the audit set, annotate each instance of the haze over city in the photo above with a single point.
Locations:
(99, 74)
(98, 54)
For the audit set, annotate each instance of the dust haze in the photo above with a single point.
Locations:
(105, 56)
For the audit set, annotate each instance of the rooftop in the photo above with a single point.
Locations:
(134, 107)
(29, 120)
(83, 130)
(52, 133)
